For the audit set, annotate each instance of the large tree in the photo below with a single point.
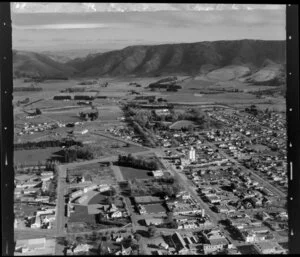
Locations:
(151, 230)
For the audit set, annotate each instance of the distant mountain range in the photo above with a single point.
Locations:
(256, 61)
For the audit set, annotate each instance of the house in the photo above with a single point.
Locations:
(157, 173)
(47, 173)
(142, 209)
(76, 194)
(104, 188)
(113, 208)
(116, 214)
(81, 248)
(29, 184)
(124, 251)
(89, 188)
(164, 245)
(43, 199)
(118, 238)
(213, 199)
(33, 190)
(186, 196)
(188, 225)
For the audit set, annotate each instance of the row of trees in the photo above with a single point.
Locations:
(134, 162)
(83, 97)
(74, 89)
(62, 97)
(46, 143)
(22, 89)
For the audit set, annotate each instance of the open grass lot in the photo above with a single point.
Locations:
(23, 210)
(132, 173)
(97, 199)
(98, 174)
(35, 155)
(64, 117)
(80, 214)
(154, 208)
(247, 249)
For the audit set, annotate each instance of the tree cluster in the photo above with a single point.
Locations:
(22, 89)
(93, 115)
(252, 110)
(73, 153)
(88, 82)
(83, 97)
(134, 162)
(72, 90)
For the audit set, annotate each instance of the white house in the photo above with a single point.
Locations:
(157, 173)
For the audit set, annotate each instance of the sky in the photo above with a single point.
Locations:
(110, 26)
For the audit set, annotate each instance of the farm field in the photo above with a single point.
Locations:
(204, 83)
(225, 98)
(66, 117)
(132, 173)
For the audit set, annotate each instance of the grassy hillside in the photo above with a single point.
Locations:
(33, 64)
(239, 58)
(255, 60)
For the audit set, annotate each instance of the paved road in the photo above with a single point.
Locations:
(60, 208)
(119, 139)
(117, 172)
(188, 186)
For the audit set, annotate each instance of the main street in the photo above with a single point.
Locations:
(60, 207)
(187, 185)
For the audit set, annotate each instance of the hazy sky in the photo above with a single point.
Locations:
(62, 26)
